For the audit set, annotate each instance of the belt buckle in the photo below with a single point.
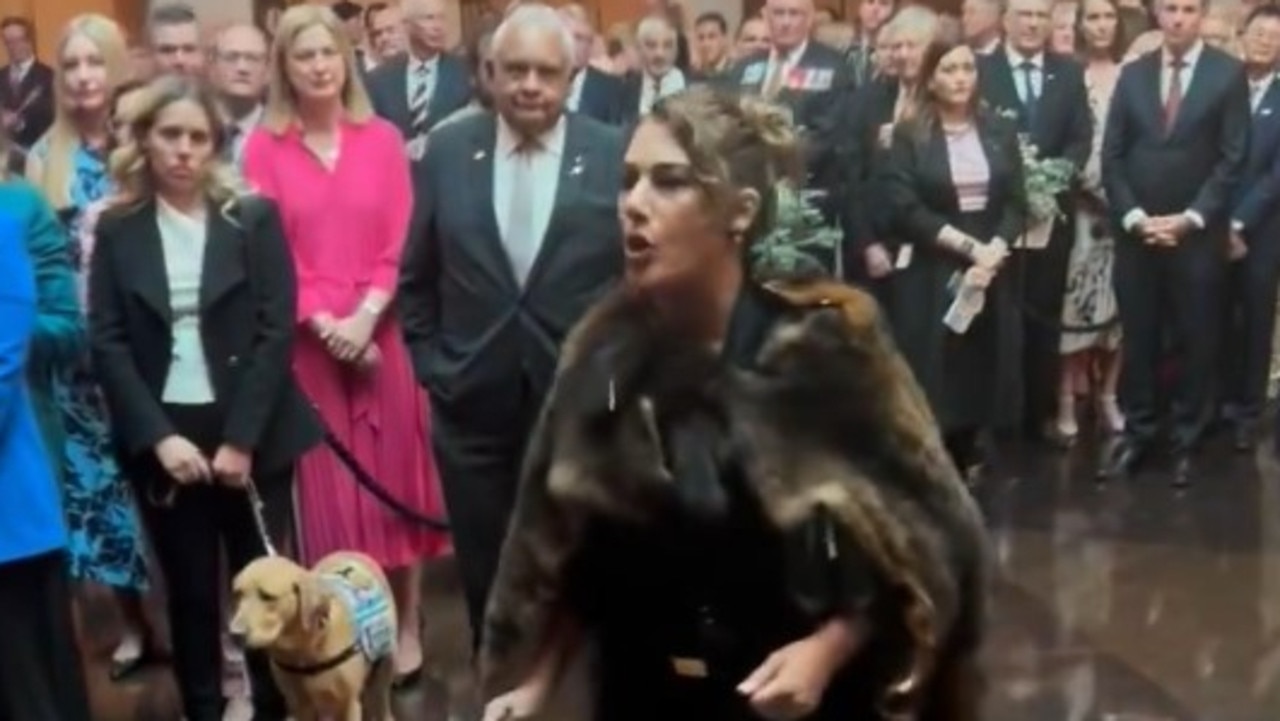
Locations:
(689, 667)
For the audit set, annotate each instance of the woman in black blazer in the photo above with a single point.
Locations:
(955, 187)
(191, 311)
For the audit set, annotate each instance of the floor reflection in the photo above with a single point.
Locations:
(1125, 602)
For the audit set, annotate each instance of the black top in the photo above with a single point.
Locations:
(707, 576)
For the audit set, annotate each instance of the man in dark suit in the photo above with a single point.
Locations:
(1255, 238)
(814, 82)
(515, 234)
(1176, 139)
(26, 85)
(427, 85)
(592, 93)
(658, 76)
(1046, 93)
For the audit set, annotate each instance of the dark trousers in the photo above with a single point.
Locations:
(1043, 289)
(189, 538)
(479, 466)
(1183, 288)
(1250, 323)
(41, 677)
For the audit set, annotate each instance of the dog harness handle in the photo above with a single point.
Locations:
(256, 506)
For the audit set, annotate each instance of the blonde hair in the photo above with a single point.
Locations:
(130, 166)
(62, 138)
(282, 110)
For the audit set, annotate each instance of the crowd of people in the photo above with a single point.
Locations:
(275, 258)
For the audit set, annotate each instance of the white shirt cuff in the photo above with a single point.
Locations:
(1132, 218)
(1195, 218)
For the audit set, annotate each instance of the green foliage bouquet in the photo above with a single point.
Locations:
(1044, 180)
(788, 248)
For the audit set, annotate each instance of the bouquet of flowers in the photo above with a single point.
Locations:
(798, 231)
(1044, 179)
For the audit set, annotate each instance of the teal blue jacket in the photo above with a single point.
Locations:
(58, 338)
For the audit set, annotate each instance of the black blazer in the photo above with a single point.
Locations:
(601, 96)
(866, 218)
(247, 320)
(1063, 125)
(33, 99)
(1197, 166)
(818, 97)
(922, 195)
(481, 342)
(388, 86)
(1257, 201)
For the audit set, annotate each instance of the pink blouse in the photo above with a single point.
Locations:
(345, 226)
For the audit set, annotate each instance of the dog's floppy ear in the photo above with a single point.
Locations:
(313, 603)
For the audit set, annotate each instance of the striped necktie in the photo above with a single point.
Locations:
(419, 102)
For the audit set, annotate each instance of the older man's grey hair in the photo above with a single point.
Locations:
(536, 16)
(655, 25)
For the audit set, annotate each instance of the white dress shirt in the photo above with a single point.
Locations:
(413, 76)
(650, 92)
(182, 238)
(1016, 60)
(1186, 74)
(1191, 58)
(546, 162)
(575, 91)
(788, 61)
(1258, 90)
(243, 126)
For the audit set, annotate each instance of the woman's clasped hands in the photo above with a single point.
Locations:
(184, 463)
(349, 339)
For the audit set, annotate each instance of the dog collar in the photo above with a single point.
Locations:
(313, 669)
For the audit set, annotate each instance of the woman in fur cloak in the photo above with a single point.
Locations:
(737, 491)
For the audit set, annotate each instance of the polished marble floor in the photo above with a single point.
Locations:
(1125, 602)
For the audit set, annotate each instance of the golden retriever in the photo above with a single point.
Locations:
(306, 622)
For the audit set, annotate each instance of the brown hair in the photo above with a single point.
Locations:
(733, 142)
(1119, 43)
(130, 166)
(926, 104)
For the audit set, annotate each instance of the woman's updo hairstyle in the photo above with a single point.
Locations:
(734, 142)
(129, 164)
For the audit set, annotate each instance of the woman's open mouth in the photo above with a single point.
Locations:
(635, 245)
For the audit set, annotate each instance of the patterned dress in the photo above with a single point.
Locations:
(106, 538)
(1090, 298)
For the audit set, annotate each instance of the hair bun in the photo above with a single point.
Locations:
(773, 125)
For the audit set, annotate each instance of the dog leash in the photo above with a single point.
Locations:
(259, 522)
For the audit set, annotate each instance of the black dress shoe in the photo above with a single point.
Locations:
(1121, 460)
(1183, 471)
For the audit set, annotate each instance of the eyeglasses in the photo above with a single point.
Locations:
(232, 57)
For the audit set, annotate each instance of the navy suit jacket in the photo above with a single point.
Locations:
(1258, 198)
(1195, 166)
(31, 521)
(388, 87)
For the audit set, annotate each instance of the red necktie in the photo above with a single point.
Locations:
(1174, 99)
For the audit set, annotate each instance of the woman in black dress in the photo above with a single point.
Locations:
(955, 189)
(736, 489)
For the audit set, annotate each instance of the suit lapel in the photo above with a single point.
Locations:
(443, 90)
(484, 145)
(223, 265)
(1005, 89)
(149, 279)
(399, 89)
(1150, 87)
(1195, 90)
(568, 188)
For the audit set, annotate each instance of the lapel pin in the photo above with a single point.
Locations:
(480, 155)
(577, 166)
(1266, 111)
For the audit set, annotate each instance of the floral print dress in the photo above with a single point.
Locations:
(106, 538)
(1090, 299)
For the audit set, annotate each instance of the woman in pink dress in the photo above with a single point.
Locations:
(341, 179)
